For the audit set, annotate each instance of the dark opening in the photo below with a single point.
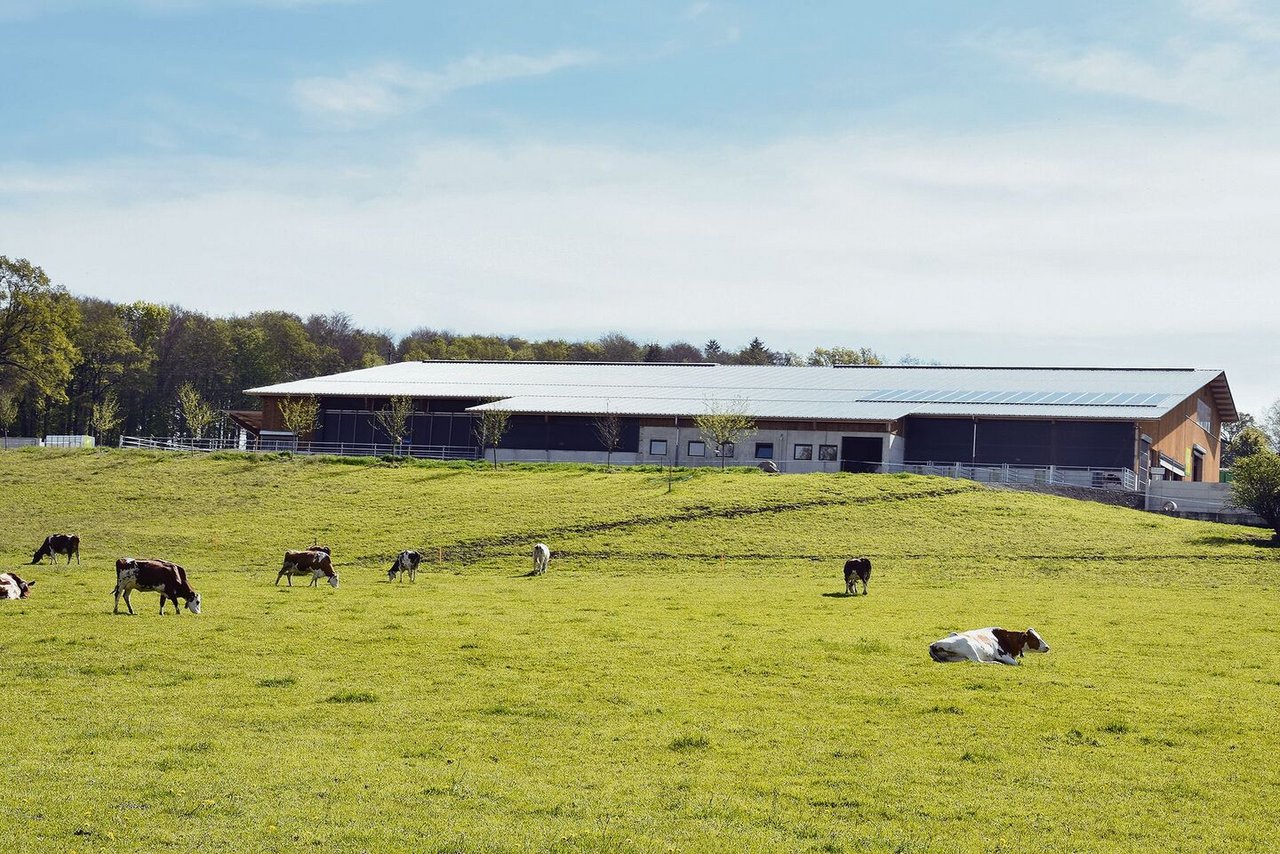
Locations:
(860, 453)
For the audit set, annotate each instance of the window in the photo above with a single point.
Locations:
(725, 450)
(827, 453)
(802, 452)
(697, 449)
(764, 450)
(1203, 416)
(658, 447)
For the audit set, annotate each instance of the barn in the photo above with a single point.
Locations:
(1105, 425)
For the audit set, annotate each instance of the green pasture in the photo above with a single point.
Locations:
(687, 677)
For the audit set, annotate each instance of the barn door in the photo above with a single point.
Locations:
(860, 453)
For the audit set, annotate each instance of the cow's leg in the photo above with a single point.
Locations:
(278, 574)
(116, 609)
(864, 587)
(127, 603)
(162, 598)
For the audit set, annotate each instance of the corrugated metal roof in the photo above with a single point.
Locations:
(847, 393)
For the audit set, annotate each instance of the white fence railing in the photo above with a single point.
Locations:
(1095, 478)
(341, 449)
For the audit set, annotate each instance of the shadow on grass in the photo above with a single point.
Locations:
(842, 595)
(1262, 541)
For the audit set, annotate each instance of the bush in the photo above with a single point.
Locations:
(1255, 486)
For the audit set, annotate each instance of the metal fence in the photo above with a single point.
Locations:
(1096, 478)
(274, 444)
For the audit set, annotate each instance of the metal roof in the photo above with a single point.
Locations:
(854, 393)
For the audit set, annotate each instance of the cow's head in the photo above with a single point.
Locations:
(193, 603)
(333, 579)
(391, 573)
(1035, 643)
(24, 587)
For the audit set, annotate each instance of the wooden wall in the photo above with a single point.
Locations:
(1175, 433)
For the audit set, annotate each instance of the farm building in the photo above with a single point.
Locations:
(1102, 422)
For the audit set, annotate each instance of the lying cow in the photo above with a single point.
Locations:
(541, 558)
(13, 587)
(315, 562)
(154, 576)
(58, 544)
(406, 563)
(855, 570)
(987, 646)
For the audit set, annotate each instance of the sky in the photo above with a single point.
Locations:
(989, 183)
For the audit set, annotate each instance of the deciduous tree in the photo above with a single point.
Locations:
(196, 411)
(299, 414)
(490, 427)
(37, 321)
(724, 424)
(394, 418)
(1255, 485)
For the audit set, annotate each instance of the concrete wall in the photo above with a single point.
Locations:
(1198, 500)
(784, 441)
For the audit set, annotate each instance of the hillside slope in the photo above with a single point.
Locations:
(686, 677)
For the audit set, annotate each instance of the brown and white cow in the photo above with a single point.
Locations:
(151, 575)
(541, 559)
(58, 544)
(315, 562)
(13, 587)
(406, 563)
(855, 570)
(987, 646)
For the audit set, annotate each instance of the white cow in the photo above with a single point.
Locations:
(541, 558)
(987, 646)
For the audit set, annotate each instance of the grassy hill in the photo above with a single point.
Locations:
(684, 678)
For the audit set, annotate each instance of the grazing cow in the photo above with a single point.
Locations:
(988, 646)
(541, 558)
(58, 544)
(855, 570)
(406, 563)
(314, 562)
(154, 576)
(13, 587)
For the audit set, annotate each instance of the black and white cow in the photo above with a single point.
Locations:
(150, 575)
(541, 558)
(314, 562)
(406, 563)
(855, 570)
(58, 544)
(13, 587)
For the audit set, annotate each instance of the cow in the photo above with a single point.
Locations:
(406, 563)
(855, 570)
(315, 562)
(541, 558)
(58, 544)
(987, 646)
(13, 587)
(154, 576)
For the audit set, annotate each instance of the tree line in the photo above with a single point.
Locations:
(86, 366)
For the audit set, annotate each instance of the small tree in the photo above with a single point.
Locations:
(609, 430)
(8, 413)
(1243, 443)
(394, 419)
(1255, 485)
(105, 416)
(196, 411)
(724, 424)
(490, 428)
(299, 414)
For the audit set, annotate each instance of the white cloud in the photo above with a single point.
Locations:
(388, 88)
(1241, 16)
(1228, 78)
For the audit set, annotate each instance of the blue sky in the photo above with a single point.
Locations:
(1000, 182)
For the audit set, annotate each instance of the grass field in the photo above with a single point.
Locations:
(686, 677)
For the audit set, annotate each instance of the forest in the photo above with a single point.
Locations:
(81, 365)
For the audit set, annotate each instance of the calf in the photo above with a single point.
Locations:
(406, 563)
(13, 587)
(541, 558)
(58, 544)
(154, 576)
(987, 646)
(855, 570)
(315, 562)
